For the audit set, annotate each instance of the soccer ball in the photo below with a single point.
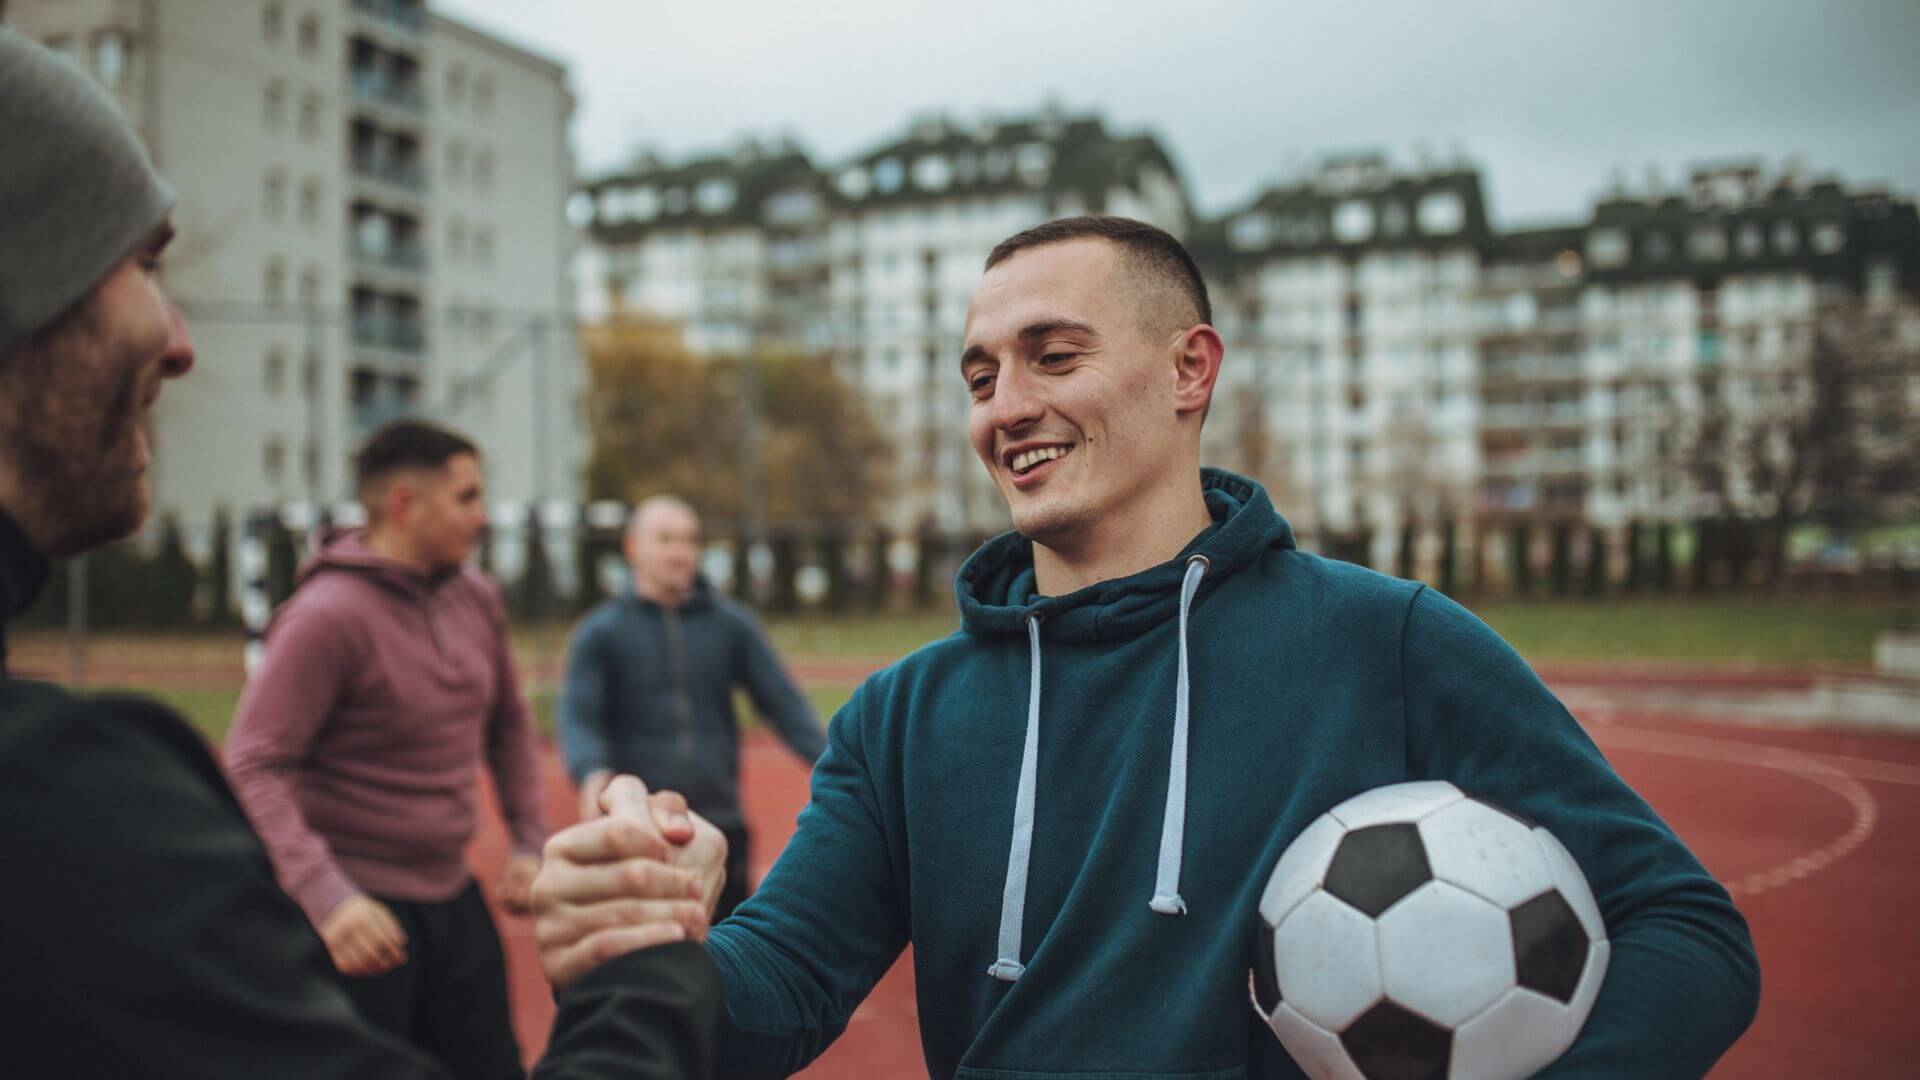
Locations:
(1414, 931)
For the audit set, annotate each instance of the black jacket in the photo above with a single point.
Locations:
(142, 933)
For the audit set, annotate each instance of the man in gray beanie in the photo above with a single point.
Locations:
(143, 930)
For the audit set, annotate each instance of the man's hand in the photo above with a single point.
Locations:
(646, 873)
(591, 789)
(516, 884)
(363, 937)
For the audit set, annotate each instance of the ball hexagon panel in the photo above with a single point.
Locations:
(1327, 960)
(1549, 947)
(1266, 974)
(1571, 883)
(1517, 1037)
(1374, 867)
(1390, 1043)
(1590, 981)
(1396, 803)
(1486, 852)
(1301, 869)
(1315, 1049)
(1446, 953)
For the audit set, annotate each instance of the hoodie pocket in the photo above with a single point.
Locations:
(966, 1073)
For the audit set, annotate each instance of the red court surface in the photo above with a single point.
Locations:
(1813, 831)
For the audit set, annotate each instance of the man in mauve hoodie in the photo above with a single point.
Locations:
(387, 677)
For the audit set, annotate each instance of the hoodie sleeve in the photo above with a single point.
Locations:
(1682, 982)
(774, 694)
(582, 713)
(801, 954)
(309, 661)
(513, 755)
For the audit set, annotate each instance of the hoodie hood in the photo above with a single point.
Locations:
(996, 584)
(346, 550)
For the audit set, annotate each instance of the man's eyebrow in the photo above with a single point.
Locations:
(161, 237)
(1044, 327)
(1032, 332)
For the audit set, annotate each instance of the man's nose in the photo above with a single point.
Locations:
(177, 358)
(1016, 399)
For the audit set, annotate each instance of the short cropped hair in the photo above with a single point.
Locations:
(405, 444)
(1173, 294)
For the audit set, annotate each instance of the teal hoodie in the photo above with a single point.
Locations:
(1070, 808)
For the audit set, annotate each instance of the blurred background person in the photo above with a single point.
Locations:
(387, 679)
(650, 683)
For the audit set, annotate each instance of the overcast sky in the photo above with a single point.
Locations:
(1549, 99)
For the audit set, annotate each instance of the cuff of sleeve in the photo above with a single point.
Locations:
(321, 895)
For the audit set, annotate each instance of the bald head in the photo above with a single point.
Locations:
(663, 548)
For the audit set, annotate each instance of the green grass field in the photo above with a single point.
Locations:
(1749, 631)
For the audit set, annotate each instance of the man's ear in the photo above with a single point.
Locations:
(399, 500)
(1196, 367)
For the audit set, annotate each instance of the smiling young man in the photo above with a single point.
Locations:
(1071, 806)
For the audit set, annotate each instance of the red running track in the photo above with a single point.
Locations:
(1812, 830)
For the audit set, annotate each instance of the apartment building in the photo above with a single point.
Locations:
(372, 224)
(868, 262)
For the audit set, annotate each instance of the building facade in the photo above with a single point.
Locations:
(867, 263)
(372, 225)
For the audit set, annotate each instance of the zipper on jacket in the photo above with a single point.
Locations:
(677, 671)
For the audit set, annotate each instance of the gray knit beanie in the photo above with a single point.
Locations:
(77, 193)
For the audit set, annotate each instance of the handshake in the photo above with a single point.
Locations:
(647, 872)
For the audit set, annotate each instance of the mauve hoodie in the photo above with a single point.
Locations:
(358, 741)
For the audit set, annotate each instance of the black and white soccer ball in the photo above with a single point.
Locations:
(1414, 931)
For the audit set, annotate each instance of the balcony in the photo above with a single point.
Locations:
(407, 258)
(374, 414)
(401, 174)
(407, 15)
(377, 88)
(1533, 368)
(399, 335)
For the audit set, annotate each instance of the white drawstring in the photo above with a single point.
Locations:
(1166, 885)
(1013, 902)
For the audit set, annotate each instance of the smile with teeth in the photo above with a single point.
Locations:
(1027, 460)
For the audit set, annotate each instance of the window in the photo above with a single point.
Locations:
(1786, 238)
(714, 196)
(310, 286)
(932, 173)
(1828, 238)
(456, 163)
(483, 171)
(111, 51)
(1751, 242)
(1707, 244)
(483, 245)
(272, 21)
(273, 459)
(483, 94)
(457, 85)
(276, 105)
(273, 284)
(274, 197)
(888, 175)
(310, 116)
(310, 202)
(1352, 221)
(1658, 246)
(1442, 212)
(309, 35)
(273, 374)
(1250, 232)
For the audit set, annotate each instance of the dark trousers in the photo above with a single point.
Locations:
(737, 888)
(450, 997)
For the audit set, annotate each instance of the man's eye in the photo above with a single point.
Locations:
(1056, 359)
(979, 383)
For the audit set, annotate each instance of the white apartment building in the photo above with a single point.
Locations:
(1349, 303)
(869, 262)
(371, 225)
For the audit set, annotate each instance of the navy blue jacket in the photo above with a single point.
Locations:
(649, 691)
(1310, 681)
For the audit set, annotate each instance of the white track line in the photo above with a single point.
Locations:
(1826, 773)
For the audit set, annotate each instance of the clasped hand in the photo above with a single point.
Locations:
(647, 872)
